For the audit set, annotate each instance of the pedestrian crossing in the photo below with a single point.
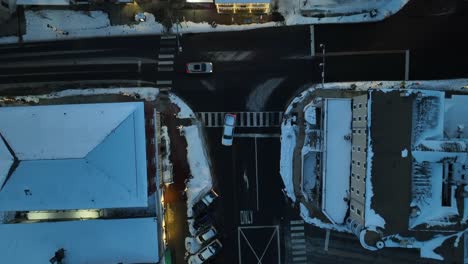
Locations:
(298, 242)
(246, 217)
(244, 119)
(166, 56)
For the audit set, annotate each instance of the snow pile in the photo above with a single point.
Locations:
(288, 143)
(185, 111)
(201, 181)
(337, 11)
(428, 116)
(68, 24)
(147, 93)
(426, 247)
(371, 218)
(442, 85)
(191, 245)
(404, 153)
(305, 214)
(191, 27)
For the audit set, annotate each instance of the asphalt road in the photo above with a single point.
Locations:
(257, 70)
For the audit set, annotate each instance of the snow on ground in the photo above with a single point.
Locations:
(191, 27)
(147, 93)
(309, 177)
(371, 217)
(456, 120)
(444, 85)
(201, 181)
(288, 143)
(305, 214)
(259, 96)
(191, 245)
(69, 24)
(185, 111)
(426, 247)
(338, 11)
(310, 115)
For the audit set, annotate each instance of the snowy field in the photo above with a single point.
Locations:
(47, 25)
(338, 11)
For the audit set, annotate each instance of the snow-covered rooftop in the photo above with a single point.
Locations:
(91, 241)
(81, 156)
(337, 159)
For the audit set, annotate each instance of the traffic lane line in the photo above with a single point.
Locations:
(246, 164)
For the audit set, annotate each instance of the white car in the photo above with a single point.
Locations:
(228, 131)
(206, 253)
(206, 235)
(199, 67)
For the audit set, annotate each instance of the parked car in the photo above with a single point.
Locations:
(202, 221)
(206, 235)
(204, 202)
(228, 131)
(199, 67)
(206, 253)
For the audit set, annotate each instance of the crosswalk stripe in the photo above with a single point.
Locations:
(299, 258)
(298, 241)
(165, 69)
(297, 228)
(297, 234)
(244, 119)
(302, 252)
(296, 222)
(163, 82)
(299, 246)
(168, 37)
(166, 56)
(165, 62)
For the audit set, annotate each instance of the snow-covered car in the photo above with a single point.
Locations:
(200, 206)
(206, 253)
(206, 235)
(199, 67)
(228, 131)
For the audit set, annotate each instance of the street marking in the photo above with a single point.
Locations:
(165, 69)
(230, 55)
(165, 62)
(407, 61)
(344, 53)
(299, 258)
(312, 40)
(168, 37)
(297, 222)
(299, 246)
(166, 56)
(302, 252)
(297, 234)
(244, 119)
(327, 240)
(256, 172)
(298, 240)
(297, 228)
(246, 217)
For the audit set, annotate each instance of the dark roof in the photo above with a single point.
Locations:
(391, 123)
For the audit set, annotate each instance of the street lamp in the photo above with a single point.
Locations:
(322, 64)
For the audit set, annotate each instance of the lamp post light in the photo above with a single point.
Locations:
(322, 64)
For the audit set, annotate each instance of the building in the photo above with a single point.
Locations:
(388, 165)
(243, 6)
(76, 177)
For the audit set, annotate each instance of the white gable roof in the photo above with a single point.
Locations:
(75, 157)
(91, 241)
